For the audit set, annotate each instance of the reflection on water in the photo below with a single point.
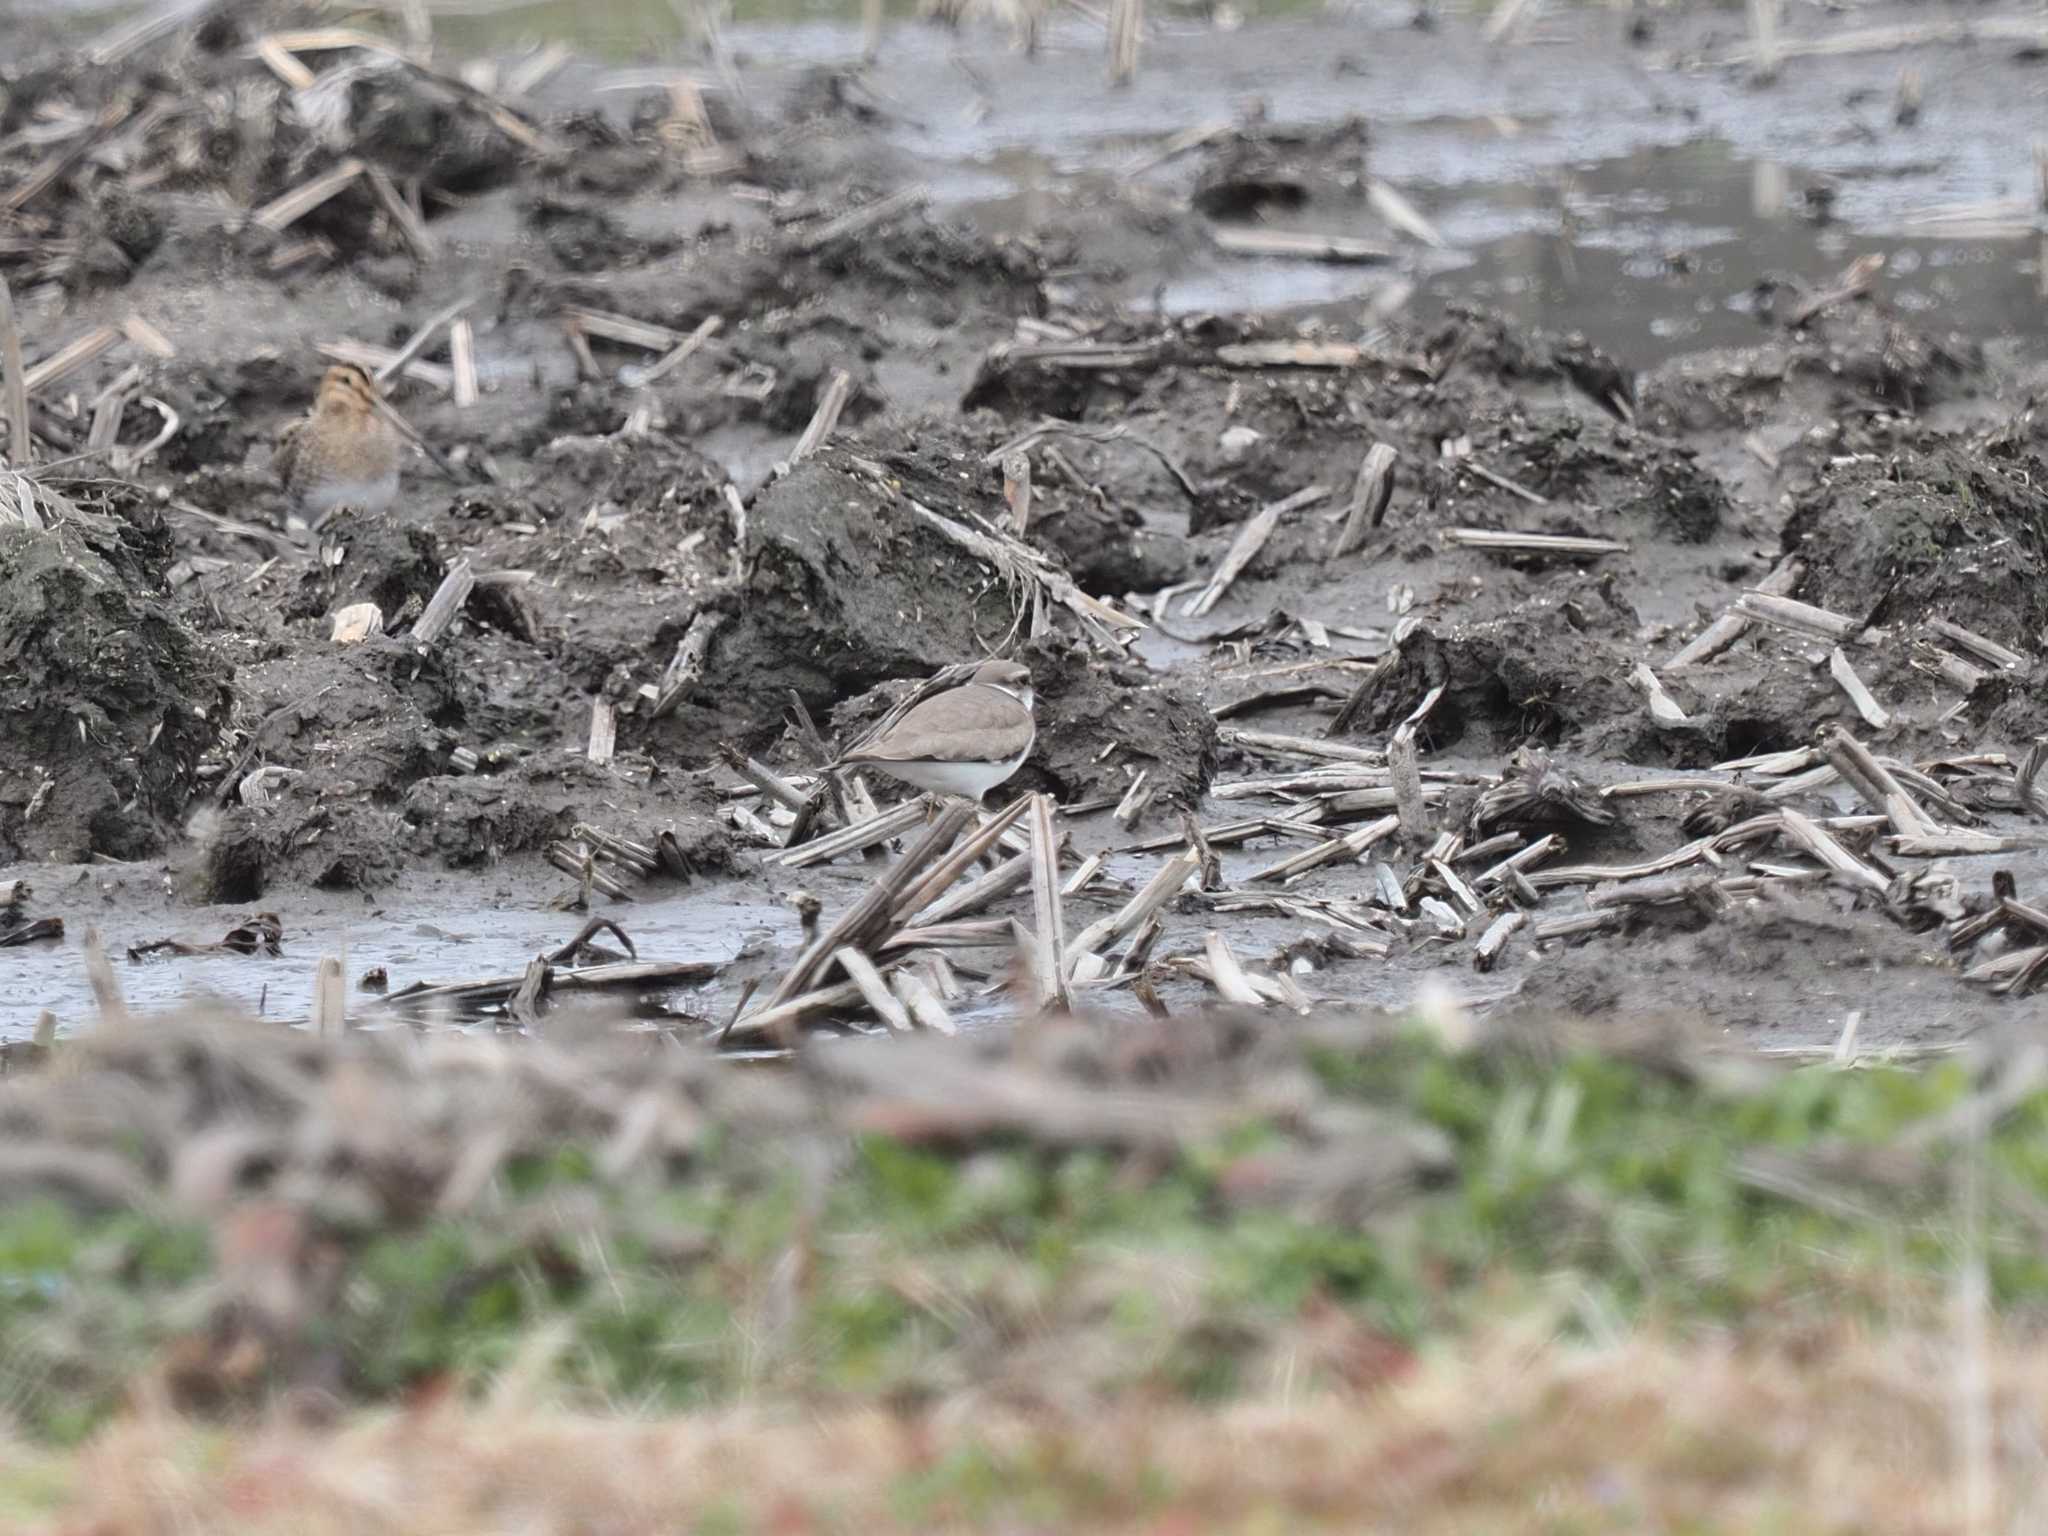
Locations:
(1667, 248)
(415, 932)
(1651, 253)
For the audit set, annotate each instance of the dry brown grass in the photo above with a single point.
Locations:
(1843, 1434)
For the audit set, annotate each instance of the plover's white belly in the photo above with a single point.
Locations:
(972, 780)
(366, 495)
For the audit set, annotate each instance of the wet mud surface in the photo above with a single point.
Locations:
(1623, 330)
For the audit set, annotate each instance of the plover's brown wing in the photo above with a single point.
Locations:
(965, 725)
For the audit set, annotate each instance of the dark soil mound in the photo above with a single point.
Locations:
(92, 655)
(370, 557)
(1552, 671)
(1100, 723)
(1944, 533)
(1621, 482)
(846, 586)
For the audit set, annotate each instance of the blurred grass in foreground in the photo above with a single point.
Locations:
(1606, 1192)
(1522, 1267)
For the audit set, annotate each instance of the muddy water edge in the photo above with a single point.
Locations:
(1611, 327)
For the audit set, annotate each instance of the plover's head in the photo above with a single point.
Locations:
(1012, 677)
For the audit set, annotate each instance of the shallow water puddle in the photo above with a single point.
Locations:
(415, 936)
(1651, 254)
(1667, 246)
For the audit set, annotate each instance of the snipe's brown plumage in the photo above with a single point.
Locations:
(343, 454)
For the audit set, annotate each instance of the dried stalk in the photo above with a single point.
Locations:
(410, 226)
(960, 860)
(1021, 564)
(1405, 772)
(109, 405)
(825, 418)
(1126, 32)
(1487, 952)
(1227, 975)
(1502, 482)
(1395, 208)
(865, 922)
(1731, 626)
(1658, 890)
(1458, 890)
(282, 212)
(1301, 746)
(351, 626)
(1876, 784)
(21, 447)
(106, 990)
(1048, 968)
(976, 934)
(392, 363)
(1251, 538)
(873, 990)
(582, 863)
(1084, 874)
(1017, 490)
(1663, 708)
(1576, 925)
(635, 377)
(1370, 495)
(624, 329)
(1763, 39)
(2026, 31)
(1816, 840)
(445, 604)
(1178, 144)
(1158, 891)
(1135, 799)
(330, 1010)
(2003, 657)
(604, 732)
(61, 364)
(859, 835)
(1299, 245)
(687, 665)
(1874, 714)
(1532, 543)
(1804, 618)
(1292, 354)
(637, 857)
(462, 362)
(924, 1004)
(883, 210)
(1852, 284)
(148, 336)
(1950, 668)
(1351, 846)
(1012, 874)
(776, 1022)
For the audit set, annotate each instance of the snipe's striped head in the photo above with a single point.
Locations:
(344, 454)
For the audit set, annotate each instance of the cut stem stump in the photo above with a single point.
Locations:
(1370, 495)
(445, 604)
(19, 445)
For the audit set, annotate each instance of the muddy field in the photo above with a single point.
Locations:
(1611, 290)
